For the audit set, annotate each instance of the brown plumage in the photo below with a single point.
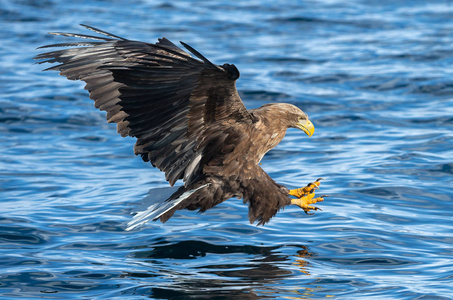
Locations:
(188, 119)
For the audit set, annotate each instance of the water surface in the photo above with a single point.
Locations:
(375, 77)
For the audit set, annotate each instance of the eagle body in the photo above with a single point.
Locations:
(187, 117)
(221, 179)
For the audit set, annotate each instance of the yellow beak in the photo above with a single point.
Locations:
(306, 126)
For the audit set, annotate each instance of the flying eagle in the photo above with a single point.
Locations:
(189, 122)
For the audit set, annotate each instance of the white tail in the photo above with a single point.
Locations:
(154, 211)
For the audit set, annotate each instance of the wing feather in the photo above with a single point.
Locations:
(173, 104)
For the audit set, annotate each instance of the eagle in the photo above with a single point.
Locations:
(189, 121)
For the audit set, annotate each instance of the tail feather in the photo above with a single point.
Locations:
(159, 208)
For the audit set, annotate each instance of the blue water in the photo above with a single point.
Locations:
(376, 79)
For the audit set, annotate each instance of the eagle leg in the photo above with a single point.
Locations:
(306, 196)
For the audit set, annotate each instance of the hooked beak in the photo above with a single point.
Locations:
(306, 126)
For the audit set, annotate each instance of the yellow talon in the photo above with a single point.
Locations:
(305, 190)
(304, 203)
(299, 192)
(305, 196)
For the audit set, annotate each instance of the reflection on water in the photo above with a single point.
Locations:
(375, 78)
(264, 266)
(301, 262)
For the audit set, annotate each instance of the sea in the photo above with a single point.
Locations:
(376, 79)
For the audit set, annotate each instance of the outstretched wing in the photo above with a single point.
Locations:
(157, 93)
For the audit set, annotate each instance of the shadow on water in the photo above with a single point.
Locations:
(214, 271)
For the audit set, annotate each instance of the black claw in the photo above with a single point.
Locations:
(312, 185)
(320, 178)
(309, 213)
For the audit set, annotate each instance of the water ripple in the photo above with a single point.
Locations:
(375, 79)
